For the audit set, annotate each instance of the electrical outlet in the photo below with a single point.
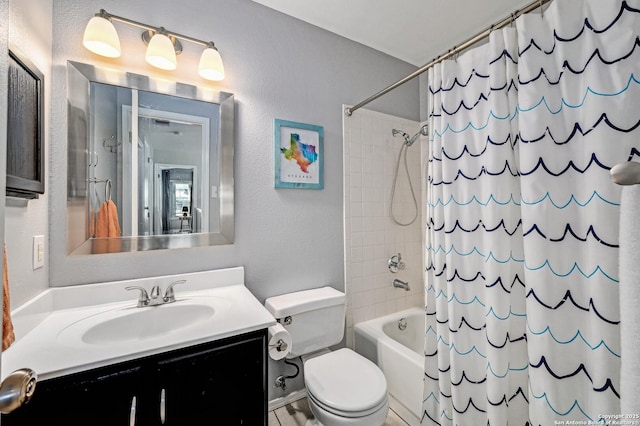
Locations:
(38, 251)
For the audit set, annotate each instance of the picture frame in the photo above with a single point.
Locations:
(298, 155)
(25, 128)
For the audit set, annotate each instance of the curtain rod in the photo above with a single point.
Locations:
(456, 49)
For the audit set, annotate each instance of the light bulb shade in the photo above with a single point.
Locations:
(161, 53)
(101, 38)
(211, 66)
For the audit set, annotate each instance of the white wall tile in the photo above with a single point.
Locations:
(368, 253)
(356, 254)
(371, 237)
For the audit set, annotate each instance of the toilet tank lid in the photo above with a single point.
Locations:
(303, 301)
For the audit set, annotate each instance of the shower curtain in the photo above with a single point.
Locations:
(522, 234)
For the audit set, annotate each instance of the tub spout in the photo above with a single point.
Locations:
(401, 284)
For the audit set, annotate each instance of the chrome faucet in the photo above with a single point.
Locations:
(401, 284)
(155, 298)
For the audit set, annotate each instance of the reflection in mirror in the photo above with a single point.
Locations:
(167, 140)
(171, 188)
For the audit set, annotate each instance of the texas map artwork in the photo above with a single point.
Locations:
(299, 150)
(302, 153)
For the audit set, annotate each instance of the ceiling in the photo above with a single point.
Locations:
(415, 31)
(170, 135)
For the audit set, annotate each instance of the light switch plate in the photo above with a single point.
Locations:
(38, 251)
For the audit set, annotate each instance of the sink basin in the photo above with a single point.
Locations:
(147, 323)
(122, 325)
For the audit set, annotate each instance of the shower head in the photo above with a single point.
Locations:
(424, 131)
(396, 132)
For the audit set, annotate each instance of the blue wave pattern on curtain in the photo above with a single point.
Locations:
(578, 114)
(476, 356)
(522, 274)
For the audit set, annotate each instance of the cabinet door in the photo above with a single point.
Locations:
(99, 397)
(225, 385)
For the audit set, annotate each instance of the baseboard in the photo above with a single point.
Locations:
(287, 399)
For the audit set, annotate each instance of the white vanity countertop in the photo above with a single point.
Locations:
(49, 328)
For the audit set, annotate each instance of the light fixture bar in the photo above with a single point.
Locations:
(151, 28)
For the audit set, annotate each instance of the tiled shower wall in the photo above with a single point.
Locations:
(371, 236)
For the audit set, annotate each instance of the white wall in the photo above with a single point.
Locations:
(371, 236)
(30, 30)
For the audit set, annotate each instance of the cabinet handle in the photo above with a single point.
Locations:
(132, 413)
(163, 411)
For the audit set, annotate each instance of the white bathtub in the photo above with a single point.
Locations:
(400, 355)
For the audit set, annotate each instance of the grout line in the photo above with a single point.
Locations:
(400, 417)
(276, 416)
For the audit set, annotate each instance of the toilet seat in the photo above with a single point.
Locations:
(345, 383)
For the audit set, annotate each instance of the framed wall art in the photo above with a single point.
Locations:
(299, 155)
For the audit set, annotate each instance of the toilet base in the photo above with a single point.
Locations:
(325, 418)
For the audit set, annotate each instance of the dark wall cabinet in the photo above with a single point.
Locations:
(219, 383)
(25, 128)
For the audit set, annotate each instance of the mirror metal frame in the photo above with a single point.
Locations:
(79, 78)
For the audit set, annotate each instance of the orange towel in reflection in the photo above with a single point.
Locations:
(92, 223)
(8, 337)
(107, 224)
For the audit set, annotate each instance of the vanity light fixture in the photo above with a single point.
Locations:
(211, 66)
(100, 37)
(160, 51)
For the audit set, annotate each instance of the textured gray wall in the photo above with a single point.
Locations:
(29, 29)
(4, 37)
(278, 67)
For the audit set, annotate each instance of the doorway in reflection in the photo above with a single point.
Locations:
(179, 213)
(150, 133)
(169, 143)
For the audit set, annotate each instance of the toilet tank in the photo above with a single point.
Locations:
(314, 318)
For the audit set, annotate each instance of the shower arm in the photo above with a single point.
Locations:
(424, 131)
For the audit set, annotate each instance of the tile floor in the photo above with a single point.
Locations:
(297, 413)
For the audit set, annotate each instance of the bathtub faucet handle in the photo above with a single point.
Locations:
(395, 263)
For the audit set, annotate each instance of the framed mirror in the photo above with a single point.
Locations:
(149, 163)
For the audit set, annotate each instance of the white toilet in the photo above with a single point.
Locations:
(343, 387)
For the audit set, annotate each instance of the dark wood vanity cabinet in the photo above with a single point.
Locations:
(232, 394)
(218, 383)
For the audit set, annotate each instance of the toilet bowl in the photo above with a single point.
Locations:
(345, 388)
